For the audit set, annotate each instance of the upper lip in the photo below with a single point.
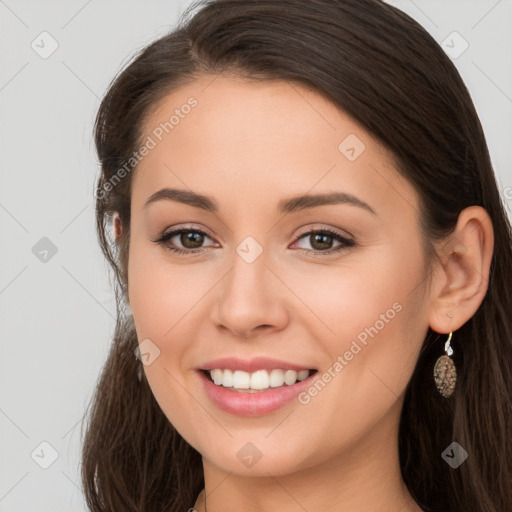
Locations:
(252, 365)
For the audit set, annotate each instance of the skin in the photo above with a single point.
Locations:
(250, 145)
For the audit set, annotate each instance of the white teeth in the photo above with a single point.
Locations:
(302, 374)
(227, 378)
(276, 378)
(290, 377)
(217, 376)
(258, 380)
(241, 380)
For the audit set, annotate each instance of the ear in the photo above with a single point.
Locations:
(118, 228)
(461, 279)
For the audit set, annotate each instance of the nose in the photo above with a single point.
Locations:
(250, 299)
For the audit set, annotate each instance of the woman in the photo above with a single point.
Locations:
(316, 263)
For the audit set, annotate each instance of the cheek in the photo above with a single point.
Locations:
(365, 293)
(161, 298)
(166, 300)
(372, 323)
(372, 354)
(159, 293)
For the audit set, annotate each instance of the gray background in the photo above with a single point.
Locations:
(57, 316)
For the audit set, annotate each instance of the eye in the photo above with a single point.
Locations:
(322, 239)
(191, 239)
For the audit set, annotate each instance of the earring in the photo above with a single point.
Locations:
(445, 374)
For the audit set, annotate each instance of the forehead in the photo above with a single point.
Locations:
(237, 138)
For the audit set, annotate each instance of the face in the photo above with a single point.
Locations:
(335, 287)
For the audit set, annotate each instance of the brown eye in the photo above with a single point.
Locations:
(190, 239)
(321, 241)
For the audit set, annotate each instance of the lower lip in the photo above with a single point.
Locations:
(252, 404)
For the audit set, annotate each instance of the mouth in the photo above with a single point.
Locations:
(254, 387)
(255, 382)
(257, 393)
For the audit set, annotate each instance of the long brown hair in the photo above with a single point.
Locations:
(387, 72)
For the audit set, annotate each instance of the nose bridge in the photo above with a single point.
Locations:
(248, 296)
(249, 269)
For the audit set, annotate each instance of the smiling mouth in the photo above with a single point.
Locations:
(255, 382)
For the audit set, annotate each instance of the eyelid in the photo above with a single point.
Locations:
(187, 227)
(322, 227)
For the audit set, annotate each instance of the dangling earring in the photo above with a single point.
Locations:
(445, 374)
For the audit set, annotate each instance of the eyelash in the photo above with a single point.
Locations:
(346, 242)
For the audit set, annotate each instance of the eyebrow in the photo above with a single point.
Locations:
(290, 205)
